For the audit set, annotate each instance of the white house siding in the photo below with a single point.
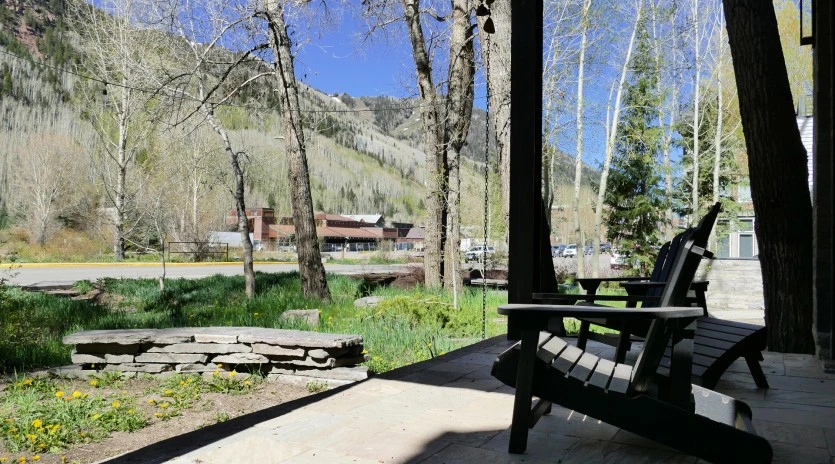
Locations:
(806, 125)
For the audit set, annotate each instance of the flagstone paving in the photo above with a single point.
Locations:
(450, 410)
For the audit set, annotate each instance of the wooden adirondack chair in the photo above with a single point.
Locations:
(718, 342)
(687, 417)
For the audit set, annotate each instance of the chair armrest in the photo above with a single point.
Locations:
(533, 316)
(590, 284)
(699, 285)
(565, 298)
(640, 288)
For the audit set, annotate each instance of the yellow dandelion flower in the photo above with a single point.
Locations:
(182, 383)
(190, 380)
(163, 405)
(11, 419)
(216, 373)
(63, 459)
(37, 423)
(169, 392)
(3, 459)
(247, 383)
(364, 351)
(233, 373)
(152, 401)
(96, 416)
(219, 365)
(130, 411)
(257, 314)
(31, 437)
(36, 457)
(27, 381)
(59, 394)
(157, 414)
(76, 394)
(115, 404)
(94, 382)
(21, 460)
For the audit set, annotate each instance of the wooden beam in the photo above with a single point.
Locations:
(524, 262)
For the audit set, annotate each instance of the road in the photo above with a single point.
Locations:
(68, 273)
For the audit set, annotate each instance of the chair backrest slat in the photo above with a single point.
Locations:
(682, 271)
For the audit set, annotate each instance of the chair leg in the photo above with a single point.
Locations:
(753, 361)
(623, 343)
(583, 336)
(524, 391)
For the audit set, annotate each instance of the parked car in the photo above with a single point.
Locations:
(605, 247)
(557, 250)
(588, 249)
(475, 253)
(570, 251)
(617, 261)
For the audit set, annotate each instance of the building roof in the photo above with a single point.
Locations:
(329, 232)
(332, 217)
(366, 218)
(416, 233)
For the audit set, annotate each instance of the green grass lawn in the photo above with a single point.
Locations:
(409, 326)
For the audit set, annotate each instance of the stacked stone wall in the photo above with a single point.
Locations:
(289, 355)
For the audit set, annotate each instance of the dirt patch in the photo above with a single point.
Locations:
(210, 409)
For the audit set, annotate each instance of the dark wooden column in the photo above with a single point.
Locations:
(822, 200)
(524, 262)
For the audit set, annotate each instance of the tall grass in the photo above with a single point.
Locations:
(401, 332)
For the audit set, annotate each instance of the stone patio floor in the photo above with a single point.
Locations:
(450, 410)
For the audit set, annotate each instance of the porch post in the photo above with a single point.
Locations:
(525, 154)
(822, 196)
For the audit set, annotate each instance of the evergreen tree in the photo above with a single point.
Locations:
(635, 202)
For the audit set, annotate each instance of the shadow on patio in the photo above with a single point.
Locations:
(451, 410)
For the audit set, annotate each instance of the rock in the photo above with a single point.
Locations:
(118, 358)
(109, 348)
(282, 370)
(318, 354)
(309, 316)
(171, 358)
(137, 367)
(306, 362)
(207, 348)
(300, 338)
(80, 358)
(339, 373)
(130, 336)
(195, 367)
(240, 358)
(262, 348)
(368, 301)
(215, 335)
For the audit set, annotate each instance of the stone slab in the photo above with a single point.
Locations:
(129, 336)
(72, 371)
(282, 337)
(318, 354)
(349, 361)
(118, 358)
(80, 358)
(171, 358)
(291, 352)
(306, 362)
(240, 358)
(137, 367)
(203, 348)
(300, 338)
(110, 348)
(195, 367)
(367, 301)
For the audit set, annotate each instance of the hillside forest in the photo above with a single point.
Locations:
(129, 123)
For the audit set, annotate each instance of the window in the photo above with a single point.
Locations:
(743, 193)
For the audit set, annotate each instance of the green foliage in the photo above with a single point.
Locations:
(634, 198)
(317, 387)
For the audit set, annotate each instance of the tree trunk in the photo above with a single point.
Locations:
(459, 109)
(436, 176)
(717, 144)
(667, 132)
(240, 202)
(578, 158)
(121, 179)
(694, 200)
(495, 53)
(777, 166)
(611, 132)
(312, 271)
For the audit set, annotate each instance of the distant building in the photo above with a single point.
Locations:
(335, 232)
